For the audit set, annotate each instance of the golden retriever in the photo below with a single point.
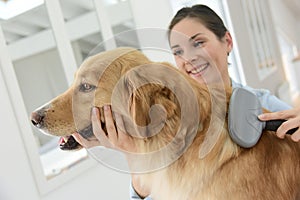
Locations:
(180, 128)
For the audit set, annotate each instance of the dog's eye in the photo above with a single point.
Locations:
(85, 87)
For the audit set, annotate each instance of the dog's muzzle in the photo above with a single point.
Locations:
(66, 143)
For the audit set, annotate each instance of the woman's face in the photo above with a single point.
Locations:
(199, 53)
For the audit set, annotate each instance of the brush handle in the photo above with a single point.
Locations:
(273, 125)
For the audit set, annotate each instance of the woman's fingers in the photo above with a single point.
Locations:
(276, 115)
(96, 122)
(97, 128)
(125, 140)
(122, 135)
(115, 136)
(112, 133)
(296, 136)
(285, 127)
(293, 121)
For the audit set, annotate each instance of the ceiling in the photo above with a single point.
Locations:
(81, 24)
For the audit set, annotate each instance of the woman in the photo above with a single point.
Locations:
(201, 44)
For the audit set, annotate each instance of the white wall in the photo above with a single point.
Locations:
(152, 19)
(16, 180)
(285, 20)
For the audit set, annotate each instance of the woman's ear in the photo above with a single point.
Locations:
(229, 42)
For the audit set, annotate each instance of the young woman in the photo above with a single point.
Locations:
(201, 44)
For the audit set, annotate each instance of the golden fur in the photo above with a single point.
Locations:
(268, 171)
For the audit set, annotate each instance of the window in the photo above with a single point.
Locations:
(263, 47)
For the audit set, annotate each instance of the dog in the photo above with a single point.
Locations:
(179, 125)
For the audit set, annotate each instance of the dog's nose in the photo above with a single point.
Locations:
(37, 119)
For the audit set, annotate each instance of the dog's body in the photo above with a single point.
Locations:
(270, 170)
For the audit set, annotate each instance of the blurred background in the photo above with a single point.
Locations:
(42, 43)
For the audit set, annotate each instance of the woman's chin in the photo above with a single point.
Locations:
(199, 79)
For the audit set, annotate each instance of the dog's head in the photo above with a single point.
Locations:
(152, 98)
(70, 111)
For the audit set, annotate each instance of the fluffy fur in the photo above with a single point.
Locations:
(124, 79)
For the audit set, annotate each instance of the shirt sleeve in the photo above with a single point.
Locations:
(271, 102)
(267, 100)
(134, 195)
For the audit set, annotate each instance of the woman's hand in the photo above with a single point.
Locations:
(293, 121)
(115, 137)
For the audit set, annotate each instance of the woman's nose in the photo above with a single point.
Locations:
(190, 56)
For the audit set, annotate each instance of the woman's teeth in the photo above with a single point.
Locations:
(199, 69)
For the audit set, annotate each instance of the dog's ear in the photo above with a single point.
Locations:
(151, 105)
(160, 101)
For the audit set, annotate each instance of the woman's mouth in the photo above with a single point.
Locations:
(199, 69)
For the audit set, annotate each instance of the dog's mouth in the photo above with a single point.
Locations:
(68, 143)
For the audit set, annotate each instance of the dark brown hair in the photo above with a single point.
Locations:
(205, 15)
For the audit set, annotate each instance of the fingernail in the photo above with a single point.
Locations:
(279, 135)
(295, 138)
(261, 116)
(106, 107)
(95, 110)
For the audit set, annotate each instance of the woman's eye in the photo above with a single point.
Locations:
(198, 43)
(178, 52)
(85, 87)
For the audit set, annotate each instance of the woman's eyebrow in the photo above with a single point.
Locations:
(190, 39)
(175, 46)
(193, 37)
